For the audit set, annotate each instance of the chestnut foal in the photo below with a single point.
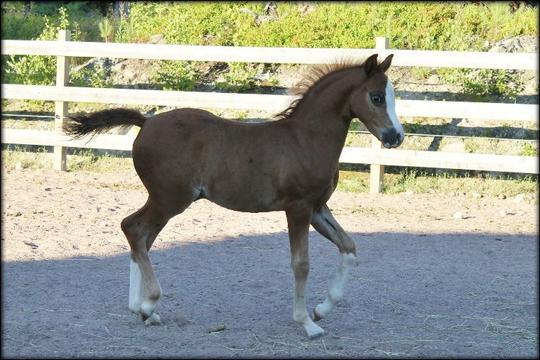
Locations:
(289, 164)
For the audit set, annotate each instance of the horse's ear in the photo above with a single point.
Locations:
(386, 63)
(370, 65)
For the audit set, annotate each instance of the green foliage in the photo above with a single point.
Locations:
(485, 82)
(240, 77)
(17, 26)
(405, 181)
(94, 76)
(493, 82)
(471, 146)
(106, 30)
(126, 31)
(433, 26)
(413, 25)
(529, 150)
(39, 70)
(176, 75)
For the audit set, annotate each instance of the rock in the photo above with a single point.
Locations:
(519, 198)
(477, 195)
(119, 67)
(527, 44)
(433, 79)
(459, 215)
(18, 166)
(409, 192)
(502, 196)
(157, 39)
(305, 8)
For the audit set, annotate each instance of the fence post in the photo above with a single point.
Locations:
(376, 171)
(61, 107)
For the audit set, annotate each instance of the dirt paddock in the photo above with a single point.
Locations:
(428, 284)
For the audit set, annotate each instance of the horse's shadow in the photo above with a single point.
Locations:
(411, 294)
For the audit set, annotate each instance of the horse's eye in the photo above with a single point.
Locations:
(377, 99)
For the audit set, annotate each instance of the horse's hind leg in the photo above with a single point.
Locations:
(141, 229)
(324, 222)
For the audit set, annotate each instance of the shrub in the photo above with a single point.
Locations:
(176, 75)
(39, 70)
(529, 150)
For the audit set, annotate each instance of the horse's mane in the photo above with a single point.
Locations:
(313, 75)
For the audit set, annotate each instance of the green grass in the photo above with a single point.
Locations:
(78, 160)
(442, 183)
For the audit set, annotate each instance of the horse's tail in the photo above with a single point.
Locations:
(99, 122)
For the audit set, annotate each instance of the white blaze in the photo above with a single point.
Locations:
(391, 107)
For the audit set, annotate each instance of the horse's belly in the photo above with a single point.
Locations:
(244, 196)
(247, 200)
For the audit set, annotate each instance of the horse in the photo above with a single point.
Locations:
(289, 164)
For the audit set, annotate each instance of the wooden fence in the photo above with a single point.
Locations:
(376, 156)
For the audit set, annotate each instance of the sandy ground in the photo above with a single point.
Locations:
(427, 284)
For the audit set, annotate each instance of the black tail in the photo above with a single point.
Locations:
(101, 121)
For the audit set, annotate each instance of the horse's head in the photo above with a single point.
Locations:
(373, 103)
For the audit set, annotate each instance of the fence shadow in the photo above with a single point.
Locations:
(468, 294)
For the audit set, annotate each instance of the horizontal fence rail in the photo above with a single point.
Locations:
(354, 155)
(61, 94)
(278, 55)
(212, 100)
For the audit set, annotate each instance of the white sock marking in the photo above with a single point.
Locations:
(391, 107)
(301, 316)
(135, 287)
(335, 294)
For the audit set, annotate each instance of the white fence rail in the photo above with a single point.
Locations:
(414, 58)
(375, 156)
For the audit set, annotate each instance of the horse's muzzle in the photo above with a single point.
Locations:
(392, 138)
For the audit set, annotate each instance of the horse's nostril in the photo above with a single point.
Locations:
(390, 136)
(400, 138)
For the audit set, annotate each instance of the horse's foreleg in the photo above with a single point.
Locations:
(141, 229)
(324, 222)
(298, 222)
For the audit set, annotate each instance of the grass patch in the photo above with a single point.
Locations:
(17, 156)
(442, 182)
(91, 160)
(41, 157)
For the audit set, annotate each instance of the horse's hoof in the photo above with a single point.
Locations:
(316, 316)
(313, 330)
(316, 335)
(154, 319)
(147, 310)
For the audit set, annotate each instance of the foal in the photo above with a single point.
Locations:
(290, 165)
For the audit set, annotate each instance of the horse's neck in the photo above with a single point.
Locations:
(322, 115)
